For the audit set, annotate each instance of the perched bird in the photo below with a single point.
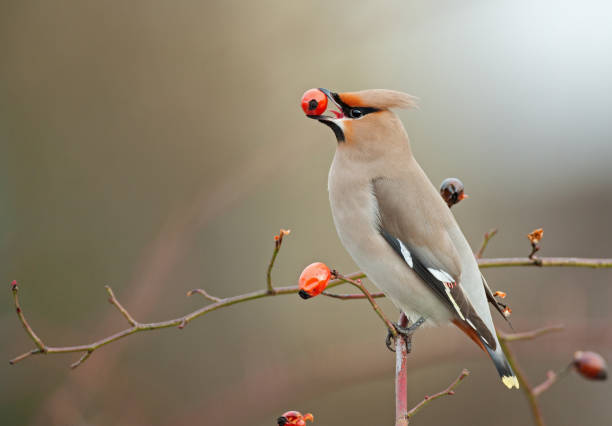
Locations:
(393, 222)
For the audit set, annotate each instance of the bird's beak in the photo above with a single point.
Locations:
(337, 115)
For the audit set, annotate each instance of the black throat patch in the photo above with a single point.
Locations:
(337, 130)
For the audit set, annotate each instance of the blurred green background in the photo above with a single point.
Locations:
(158, 146)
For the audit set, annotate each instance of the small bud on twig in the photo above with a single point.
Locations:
(278, 239)
(535, 237)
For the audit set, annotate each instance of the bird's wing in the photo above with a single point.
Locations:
(414, 224)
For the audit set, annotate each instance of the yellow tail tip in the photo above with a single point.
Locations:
(510, 381)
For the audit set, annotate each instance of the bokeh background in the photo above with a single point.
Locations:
(158, 146)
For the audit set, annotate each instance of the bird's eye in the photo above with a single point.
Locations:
(355, 113)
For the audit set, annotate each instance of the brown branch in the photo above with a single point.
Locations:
(229, 301)
(357, 283)
(545, 261)
(402, 346)
(39, 344)
(138, 327)
(352, 296)
(530, 392)
(551, 378)
(529, 335)
(203, 293)
(218, 303)
(450, 390)
(524, 384)
(485, 242)
(113, 301)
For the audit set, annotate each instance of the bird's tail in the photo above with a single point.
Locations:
(503, 366)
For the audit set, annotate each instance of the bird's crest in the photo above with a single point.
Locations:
(379, 98)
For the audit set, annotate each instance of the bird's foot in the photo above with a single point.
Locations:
(405, 333)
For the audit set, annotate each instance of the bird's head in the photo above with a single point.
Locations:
(363, 118)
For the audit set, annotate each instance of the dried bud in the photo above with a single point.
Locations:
(451, 191)
(536, 235)
(590, 365)
(313, 280)
(278, 239)
(294, 418)
(500, 294)
(507, 311)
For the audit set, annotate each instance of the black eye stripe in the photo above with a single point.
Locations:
(361, 111)
(347, 109)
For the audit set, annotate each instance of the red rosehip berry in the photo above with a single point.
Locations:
(294, 418)
(314, 102)
(590, 365)
(313, 280)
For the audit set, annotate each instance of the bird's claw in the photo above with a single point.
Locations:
(404, 332)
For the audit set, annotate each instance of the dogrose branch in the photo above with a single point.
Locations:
(270, 291)
(531, 393)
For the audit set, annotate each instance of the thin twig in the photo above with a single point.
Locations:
(551, 378)
(219, 303)
(113, 301)
(530, 392)
(357, 283)
(450, 390)
(278, 242)
(352, 296)
(139, 327)
(203, 293)
(524, 384)
(528, 335)
(39, 344)
(485, 242)
(544, 261)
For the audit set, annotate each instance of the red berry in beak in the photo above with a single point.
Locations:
(314, 279)
(314, 102)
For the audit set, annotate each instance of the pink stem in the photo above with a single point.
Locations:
(401, 376)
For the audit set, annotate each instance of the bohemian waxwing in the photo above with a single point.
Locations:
(395, 225)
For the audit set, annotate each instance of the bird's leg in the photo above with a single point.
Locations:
(404, 331)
